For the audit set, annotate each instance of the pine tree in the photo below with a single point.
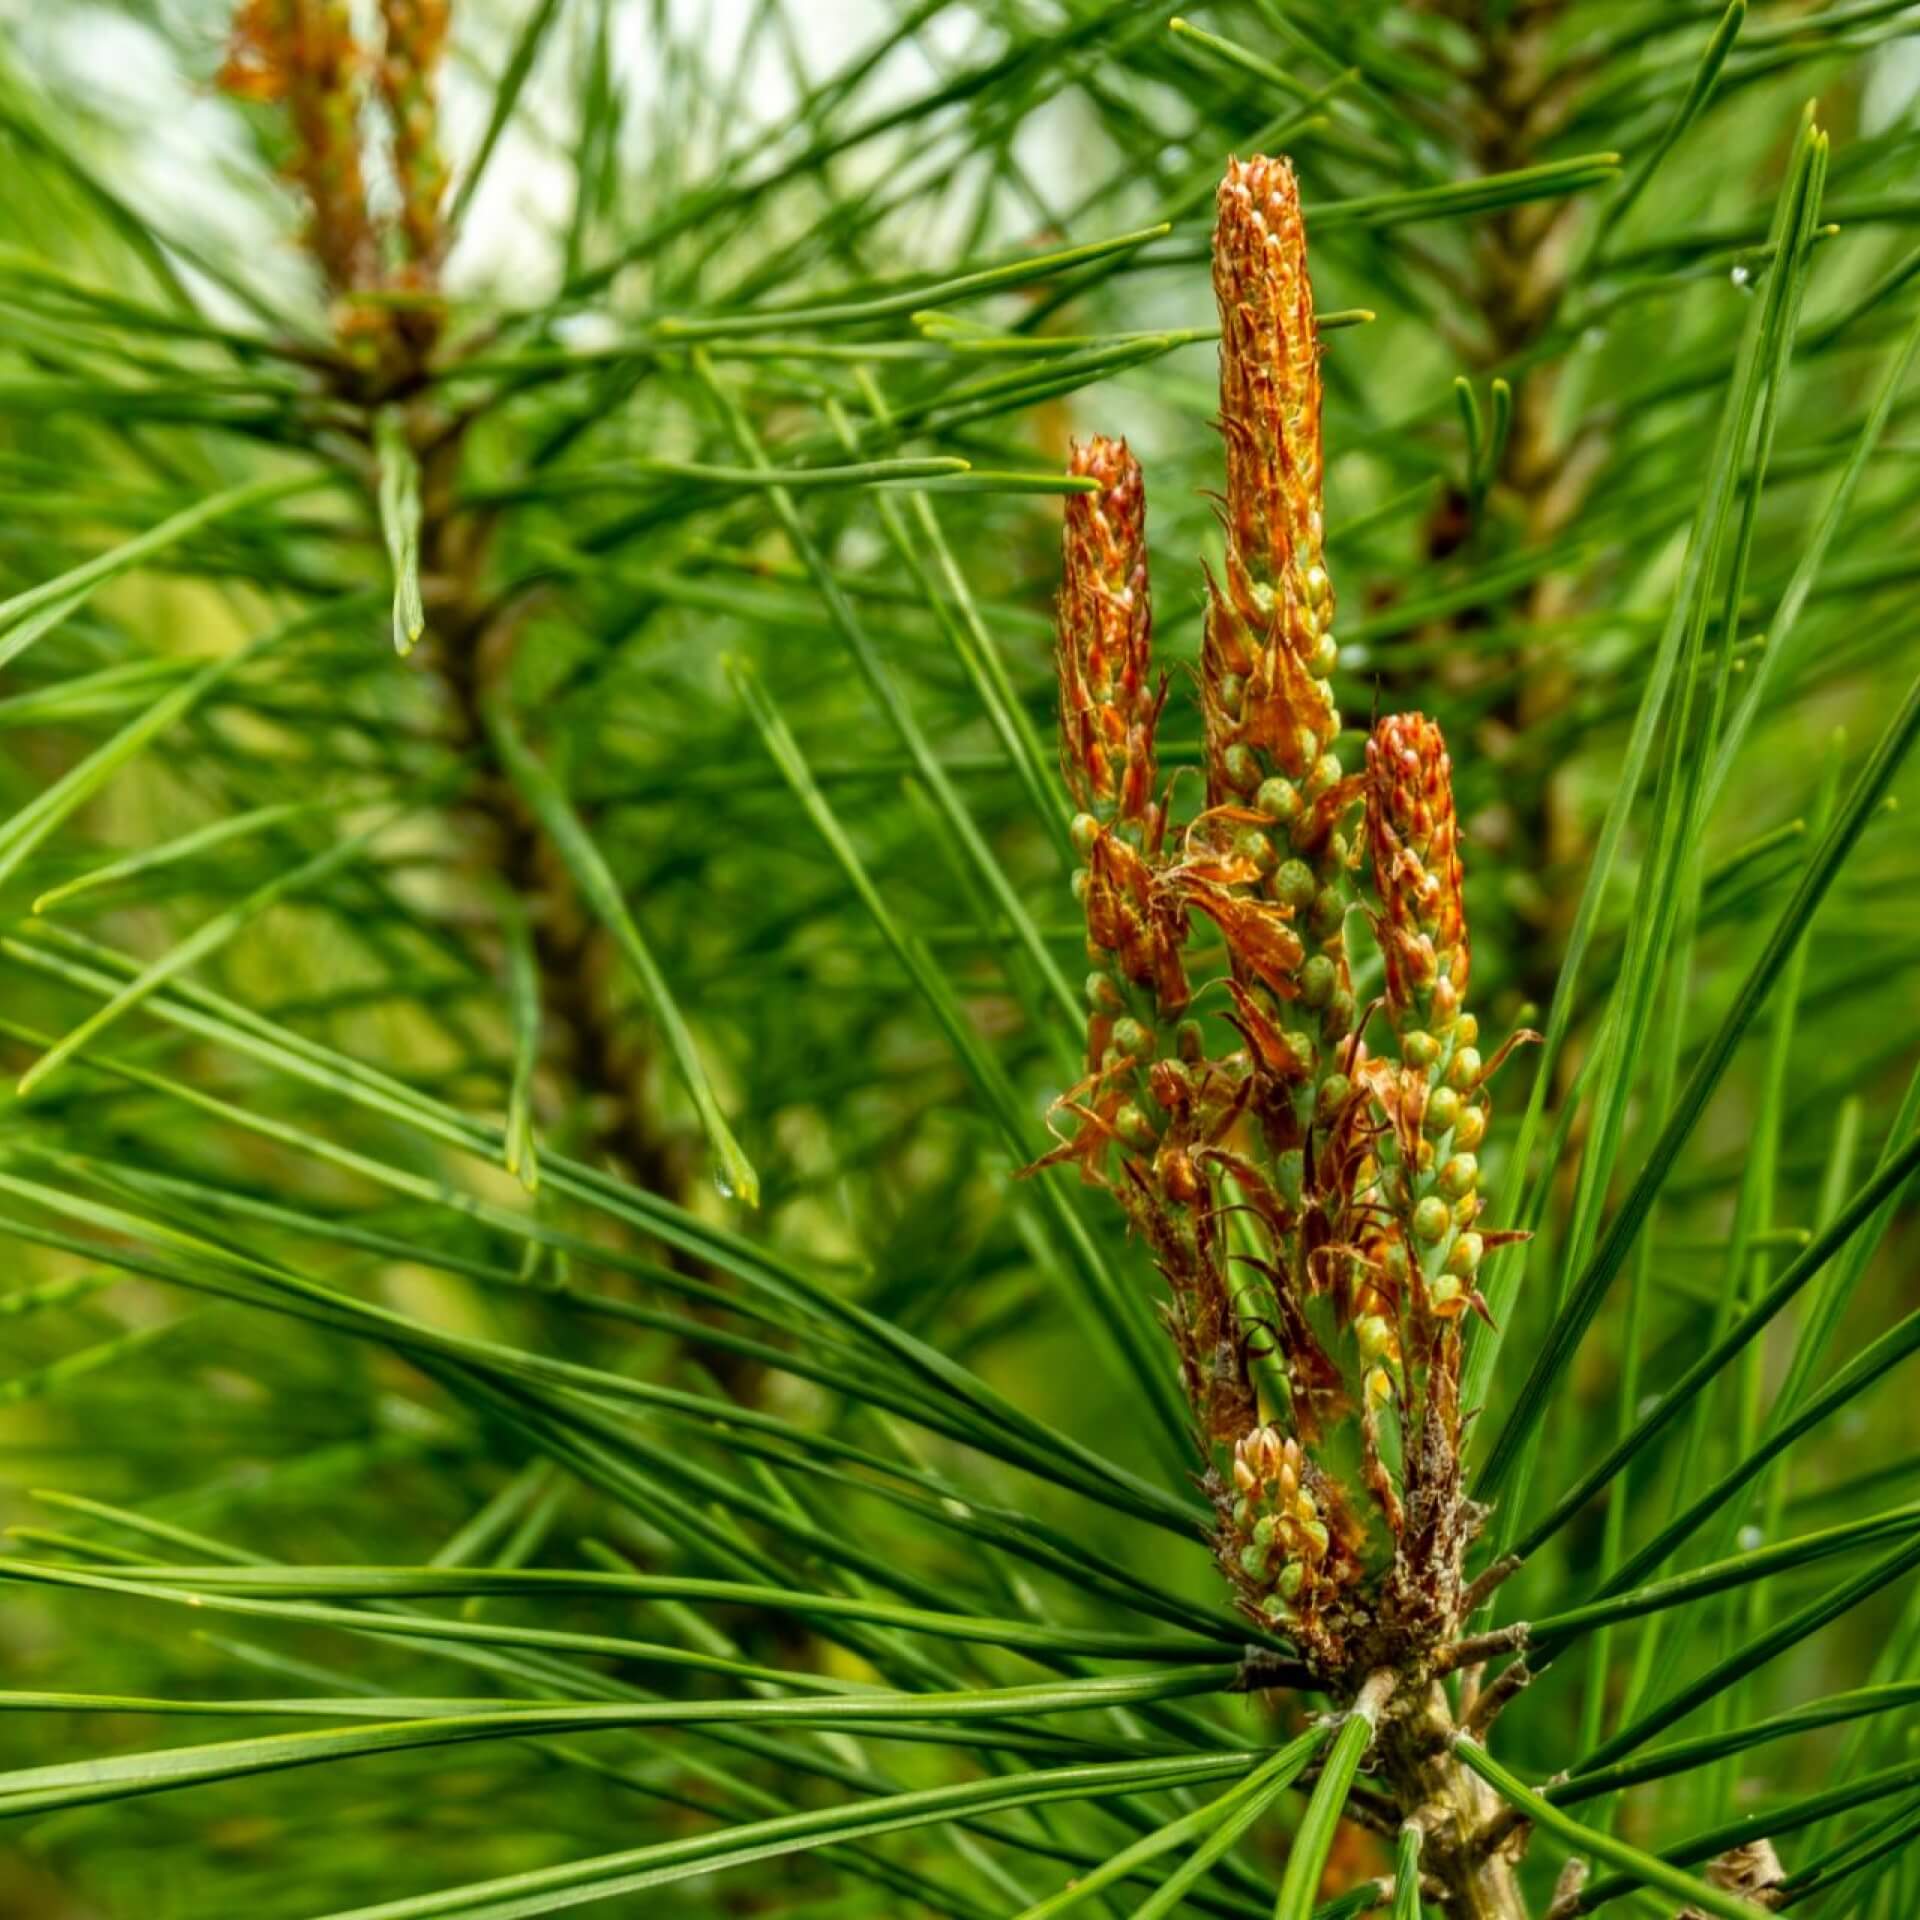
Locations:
(661, 1261)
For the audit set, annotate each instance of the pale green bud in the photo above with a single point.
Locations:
(1419, 1048)
(1240, 769)
(1279, 800)
(1294, 885)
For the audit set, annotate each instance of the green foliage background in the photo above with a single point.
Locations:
(771, 769)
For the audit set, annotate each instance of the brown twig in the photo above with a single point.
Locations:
(1488, 1582)
(1480, 1647)
(1566, 1890)
(1497, 1697)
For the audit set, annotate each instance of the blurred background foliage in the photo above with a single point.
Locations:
(807, 738)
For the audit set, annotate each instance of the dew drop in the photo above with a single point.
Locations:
(1742, 278)
(722, 1185)
(1749, 1538)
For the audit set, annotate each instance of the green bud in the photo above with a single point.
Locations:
(1464, 1256)
(1289, 1170)
(1240, 769)
(1419, 1048)
(1133, 1039)
(1293, 1576)
(1294, 885)
(1233, 692)
(1333, 1094)
(1329, 909)
(1374, 1333)
(1317, 980)
(1242, 1511)
(1085, 830)
(1443, 1110)
(1263, 1530)
(1431, 1219)
(1326, 770)
(1253, 1562)
(1395, 1260)
(1190, 1042)
(1467, 1029)
(1339, 1018)
(1317, 1537)
(1457, 1177)
(1463, 1070)
(1305, 1049)
(1080, 882)
(1326, 656)
(1279, 800)
(1472, 1128)
(1136, 1129)
(1103, 996)
(1278, 1613)
(1444, 1291)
